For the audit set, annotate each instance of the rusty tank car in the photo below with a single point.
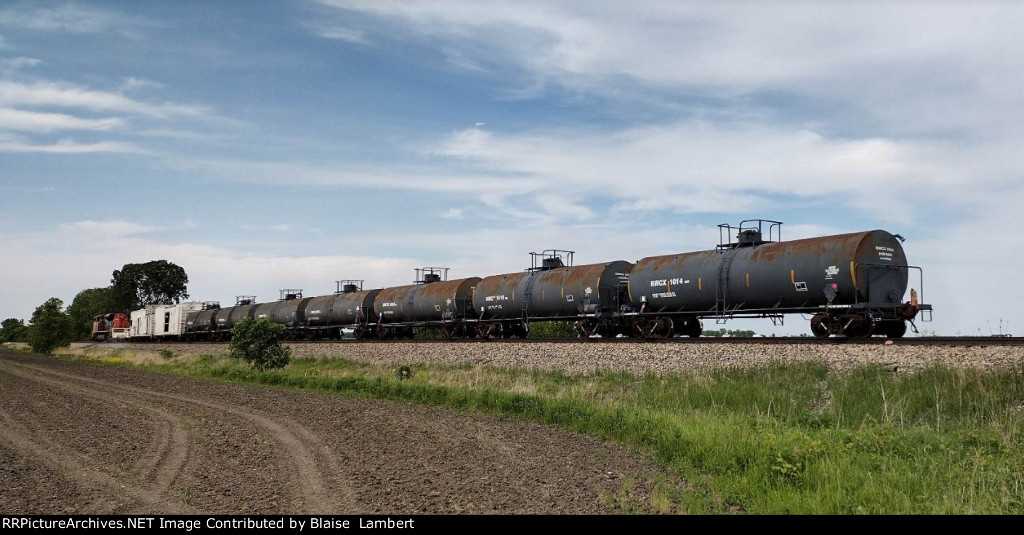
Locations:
(851, 284)
(350, 305)
(551, 289)
(433, 301)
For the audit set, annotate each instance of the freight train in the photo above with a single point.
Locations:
(849, 285)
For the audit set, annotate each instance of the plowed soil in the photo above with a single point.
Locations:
(78, 438)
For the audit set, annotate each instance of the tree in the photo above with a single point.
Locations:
(258, 342)
(731, 333)
(50, 328)
(13, 330)
(86, 306)
(157, 282)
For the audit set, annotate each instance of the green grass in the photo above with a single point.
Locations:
(780, 438)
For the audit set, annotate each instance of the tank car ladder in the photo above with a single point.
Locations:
(528, 295)
(722, 291)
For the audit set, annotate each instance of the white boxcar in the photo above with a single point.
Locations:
(142, 322)
(169, 320)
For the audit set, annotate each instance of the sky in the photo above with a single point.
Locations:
(265, 145)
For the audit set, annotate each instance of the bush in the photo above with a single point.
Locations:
(258, 342)
(51, 327)
(553, 329)
(13, 330)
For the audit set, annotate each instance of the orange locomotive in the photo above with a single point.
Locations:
(110, 326)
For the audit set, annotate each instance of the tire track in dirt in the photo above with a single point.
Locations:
(166, 460)
(300, 444)
(79, 470)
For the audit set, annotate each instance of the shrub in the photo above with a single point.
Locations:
(258, 342)
(13, 330)
(553, 329)
(51, 327)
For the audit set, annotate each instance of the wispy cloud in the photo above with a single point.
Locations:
(341, 33)
(107, 229)
(454, 213)
(132, 83)
(905, 65)
(30, 121)
(728, 168)
(68, 18)
(383, 176)
(279, 227)
(72, 147)
(71, 96)
(9, 65)
(28, 189)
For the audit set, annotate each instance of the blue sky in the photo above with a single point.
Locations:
(265, 145)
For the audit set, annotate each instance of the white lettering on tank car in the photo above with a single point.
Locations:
(662, 294)
(885, 253)
(661, 282)
(830, 272)
(493, 298)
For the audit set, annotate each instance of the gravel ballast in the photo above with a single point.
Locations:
(576, 358)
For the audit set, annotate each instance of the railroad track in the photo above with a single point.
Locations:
(963, 341)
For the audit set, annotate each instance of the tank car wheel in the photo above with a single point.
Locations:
(587, 328)
(488, 330)
(507, 331)
(637, 328)
(662, 328)
(449, 330)
(384, 333)
(859, 327)
(891, 328)
(820, 324)
(581, 330)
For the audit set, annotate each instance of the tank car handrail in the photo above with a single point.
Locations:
(920, 283)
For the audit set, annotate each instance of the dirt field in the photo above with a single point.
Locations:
(76, 438)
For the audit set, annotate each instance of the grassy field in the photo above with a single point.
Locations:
(781, 438)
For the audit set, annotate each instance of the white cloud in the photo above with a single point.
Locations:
(97, 248)
(9, 65)
(906, 66)
(699, 167)
(29, 121)
(454, 213)
(370, 176)
(341, 33)
(68, 18)
(105, 229)
(71, 96)
(132, 83)
(66, 146)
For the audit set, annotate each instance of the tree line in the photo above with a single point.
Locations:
(132, 287)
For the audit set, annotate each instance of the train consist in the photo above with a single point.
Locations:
(849, 284)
